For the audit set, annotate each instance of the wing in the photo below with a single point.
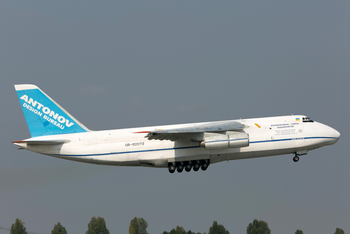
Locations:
(194, 131)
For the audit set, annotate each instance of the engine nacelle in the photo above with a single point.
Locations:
(221, 141)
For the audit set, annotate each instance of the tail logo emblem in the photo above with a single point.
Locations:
(49, 115)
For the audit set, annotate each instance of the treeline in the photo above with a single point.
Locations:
(139, 226)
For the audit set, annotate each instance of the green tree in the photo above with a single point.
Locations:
(299, 232)
(258, 227)
(190, 232)
(138, 226)
(339, 231)
(58, 229)
(218, 229)
(179, 230)
(18, 227)
(97, 226)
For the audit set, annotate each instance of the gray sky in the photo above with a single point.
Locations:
(117, 64)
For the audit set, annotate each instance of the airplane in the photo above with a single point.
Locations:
(55, 132)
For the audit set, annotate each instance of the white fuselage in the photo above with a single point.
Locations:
(125, 147)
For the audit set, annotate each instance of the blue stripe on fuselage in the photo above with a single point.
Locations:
(178, 148)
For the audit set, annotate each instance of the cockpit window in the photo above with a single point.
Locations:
(307, 120)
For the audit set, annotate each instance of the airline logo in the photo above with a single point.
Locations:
(46, 113)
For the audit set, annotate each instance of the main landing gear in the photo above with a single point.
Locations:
(188, 165)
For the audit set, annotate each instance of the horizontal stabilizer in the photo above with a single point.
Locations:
(41, 142)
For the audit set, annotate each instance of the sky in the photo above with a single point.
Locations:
(121, 64)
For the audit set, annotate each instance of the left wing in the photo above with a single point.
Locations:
(186, 132)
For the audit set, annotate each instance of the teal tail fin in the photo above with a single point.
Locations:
(43, 115)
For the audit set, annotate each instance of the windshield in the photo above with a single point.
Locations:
(307, 119)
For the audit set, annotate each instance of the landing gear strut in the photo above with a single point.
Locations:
(299, 153)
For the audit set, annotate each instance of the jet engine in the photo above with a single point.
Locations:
(216, 141)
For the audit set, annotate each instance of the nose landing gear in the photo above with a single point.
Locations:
(297, 154)
(296, 158)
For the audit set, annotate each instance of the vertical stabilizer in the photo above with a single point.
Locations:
(43, 115)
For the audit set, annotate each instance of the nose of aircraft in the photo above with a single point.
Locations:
(333, 135)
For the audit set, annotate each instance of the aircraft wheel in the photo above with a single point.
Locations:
(295, 158)
(180, 168)
(204, 166)
(196, 166)
(188, 167)
(172, 168)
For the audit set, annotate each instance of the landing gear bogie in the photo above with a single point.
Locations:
(188, 165)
